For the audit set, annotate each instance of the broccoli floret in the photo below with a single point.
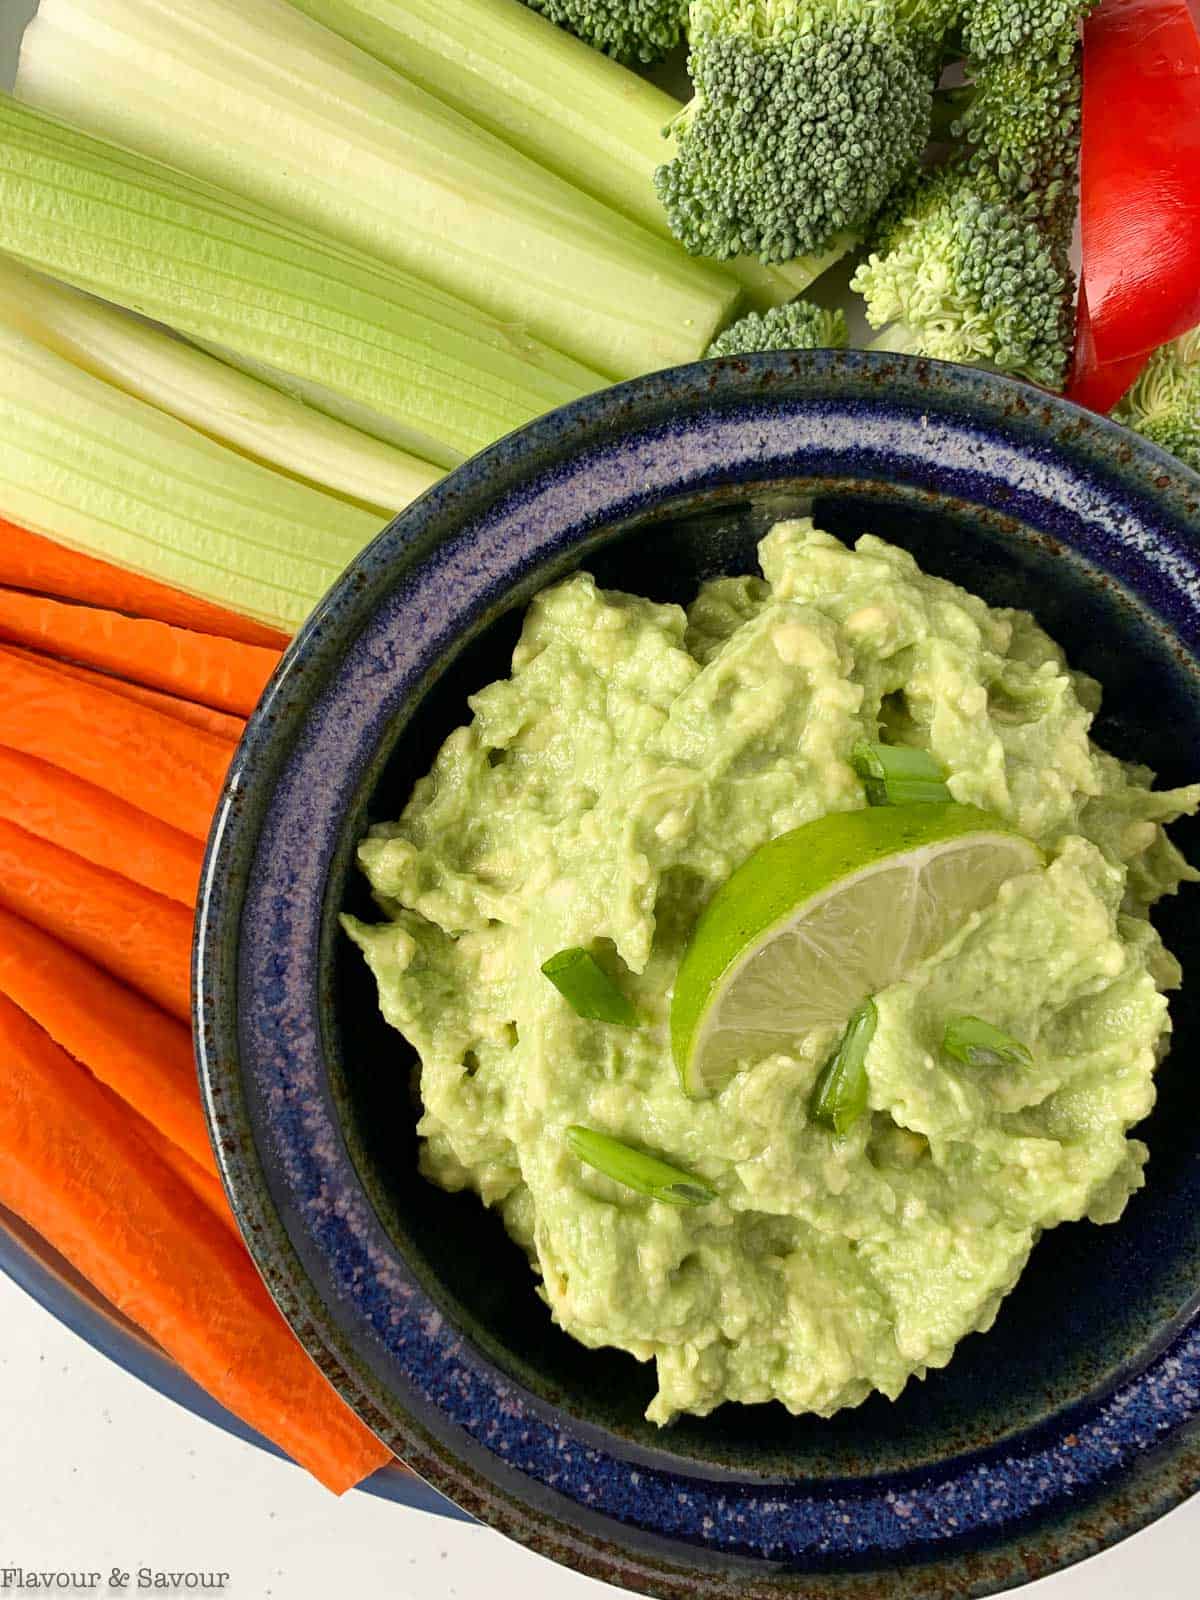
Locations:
(629, 30)
(798, 326)
(805, 115)
(1021, 118)
(994, 28)
(932, 25)
(968, 274)
(973, 262)
(1164, 404)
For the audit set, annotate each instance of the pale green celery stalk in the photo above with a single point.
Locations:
(316, 396)
(103, 472)
(226, 272)
(256, 97)
(578, 112)
(147, 362)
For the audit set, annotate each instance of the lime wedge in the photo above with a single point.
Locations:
(822, 917)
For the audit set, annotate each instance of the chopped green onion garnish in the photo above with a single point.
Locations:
(977, 1044)
(907, 792)
(897, 775)
(872, 760)
(637, 1170)
(840, 1095)
(588, 989)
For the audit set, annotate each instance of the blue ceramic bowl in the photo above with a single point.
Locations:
(1072, 1423)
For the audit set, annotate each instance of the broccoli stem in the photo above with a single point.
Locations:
(898, 339)
(558, 101)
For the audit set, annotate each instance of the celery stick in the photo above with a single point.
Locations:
(103, 472)
(315, 396)
(578, 112)
(252, 95)
(148, 362)
(226, 272)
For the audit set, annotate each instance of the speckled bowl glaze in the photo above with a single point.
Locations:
(1071, 1424)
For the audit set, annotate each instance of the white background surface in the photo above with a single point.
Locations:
(98, 1472)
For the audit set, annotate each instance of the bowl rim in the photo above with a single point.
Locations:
(269, 1196)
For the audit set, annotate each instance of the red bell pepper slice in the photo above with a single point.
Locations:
(1092, 385)
(1140, 175)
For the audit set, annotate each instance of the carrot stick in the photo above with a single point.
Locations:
(174, 773)
(196, 666)
(204, 1185)
(195, 716)
(74, 1166)
(141, 1054)
(94, 824)
(142, 938)
(29, 561)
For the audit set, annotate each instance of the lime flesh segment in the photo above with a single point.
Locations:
(825, 916)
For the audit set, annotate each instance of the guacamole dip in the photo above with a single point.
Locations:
(637, 755)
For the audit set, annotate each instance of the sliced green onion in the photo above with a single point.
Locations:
(907, 792)
(978, 1044)
(636, 1170)
(588, 989)
(885, 761)
(840, 1095)
(897, 775)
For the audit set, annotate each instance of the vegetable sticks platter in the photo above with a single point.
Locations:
(483, 221)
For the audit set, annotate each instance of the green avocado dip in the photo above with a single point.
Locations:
(602, 794)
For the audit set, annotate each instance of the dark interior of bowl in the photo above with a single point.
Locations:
(1093, 1303)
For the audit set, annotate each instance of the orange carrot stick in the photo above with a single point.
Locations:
(29, 561)
(196, 666)
(74, 1166)
(174, 773)
(206, 1187)
(97, 826)
(143, 1055)
(142, 938)
(196, 716)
